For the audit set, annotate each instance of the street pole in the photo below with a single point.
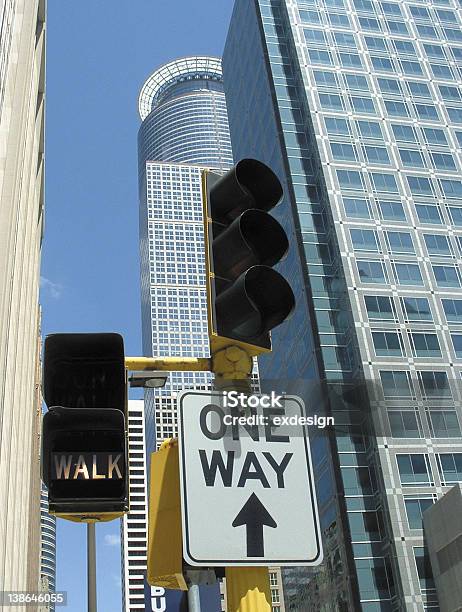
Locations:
(194, 602)
(91, 567)
(247, 588)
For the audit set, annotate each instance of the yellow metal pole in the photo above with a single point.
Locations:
(169, 364)
(247, 588)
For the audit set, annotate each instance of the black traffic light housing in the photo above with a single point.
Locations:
(246, 297)
(84, 439)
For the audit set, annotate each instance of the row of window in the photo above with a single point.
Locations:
(431, 384)
(416, 309)
(400, 242)
(422, 344)
(407, 424)
(407, 273)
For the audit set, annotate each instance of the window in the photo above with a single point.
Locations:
(451, 189)
(400, 242)
(390, 86)
(441, 71)
(452, 35)
(316, 36)
(449, 93)
(364, 240)
(356, 481)
(362, 105)
(413, 469)
(456, 215)
(335, 125)
(457, 53)
(364, 526)
(419, 185)
(446, 276)
(356, 82)
(455, 114)
(397, 27)
(349, 179)
(396, 109)
(437, 244)
(434, 51)
(344, 39)
(369, 23)
(426, 31)
(434, 384)
(411, 68)
(411, 157)
(443, 161)
(443, 424)
(392, 211)
(408, 274)
(379, 307)
(331, 101)
(424, 568)
(310, 16)
(356, 208)
(452, 310)
(415, 507)
(419, 12)
(371, 271)
(425, 344)
(450, 467)
(370, 129)
(417, 309)
(376, 155)
(391, 8)
(339, 19)
(318, 56)
(435, 136)
(404, 424)
(395, 383)
(384, 182)
(343, 151)
(404, 47)
(324, 78)
(428, 214)
(446, 16)
(387, 344)
(375, 44)
(382, 63)
(426, 112)
(350, 60)
(419, 89)
(457, 343)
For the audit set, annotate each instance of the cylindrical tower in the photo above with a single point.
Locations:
(183, 109)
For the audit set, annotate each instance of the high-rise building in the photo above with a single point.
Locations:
(22, 86)
(133, 525)
(356, 105)
(47, 549)
(184, 129)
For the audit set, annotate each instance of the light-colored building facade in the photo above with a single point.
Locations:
(22, 87)
(47, 549)
(443, 535)
(356, 104)
(133, 532)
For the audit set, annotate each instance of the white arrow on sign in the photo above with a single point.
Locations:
(247, 490)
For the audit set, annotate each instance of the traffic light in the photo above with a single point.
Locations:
(84, 443)
(246, 297)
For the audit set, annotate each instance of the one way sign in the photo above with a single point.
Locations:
(247, 487)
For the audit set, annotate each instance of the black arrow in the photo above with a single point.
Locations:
(254, 515)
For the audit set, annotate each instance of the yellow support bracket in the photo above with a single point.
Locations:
(169, 364)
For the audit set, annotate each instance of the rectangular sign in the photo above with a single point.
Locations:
(87, 466)
(247, 487)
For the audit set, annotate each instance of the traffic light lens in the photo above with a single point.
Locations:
(255, 237)
(250, 184)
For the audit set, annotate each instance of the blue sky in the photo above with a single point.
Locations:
(99, 54)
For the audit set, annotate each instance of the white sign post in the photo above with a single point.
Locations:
(247, 487)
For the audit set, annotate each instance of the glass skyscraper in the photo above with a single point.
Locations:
(356, 105)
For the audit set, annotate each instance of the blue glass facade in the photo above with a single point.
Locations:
(353, 104)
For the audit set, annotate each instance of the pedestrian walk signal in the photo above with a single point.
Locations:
(84, 444)
(247, 298)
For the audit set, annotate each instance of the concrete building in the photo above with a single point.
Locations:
(22, 87)
(443, 535)
(47, 549)
(355, 104)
